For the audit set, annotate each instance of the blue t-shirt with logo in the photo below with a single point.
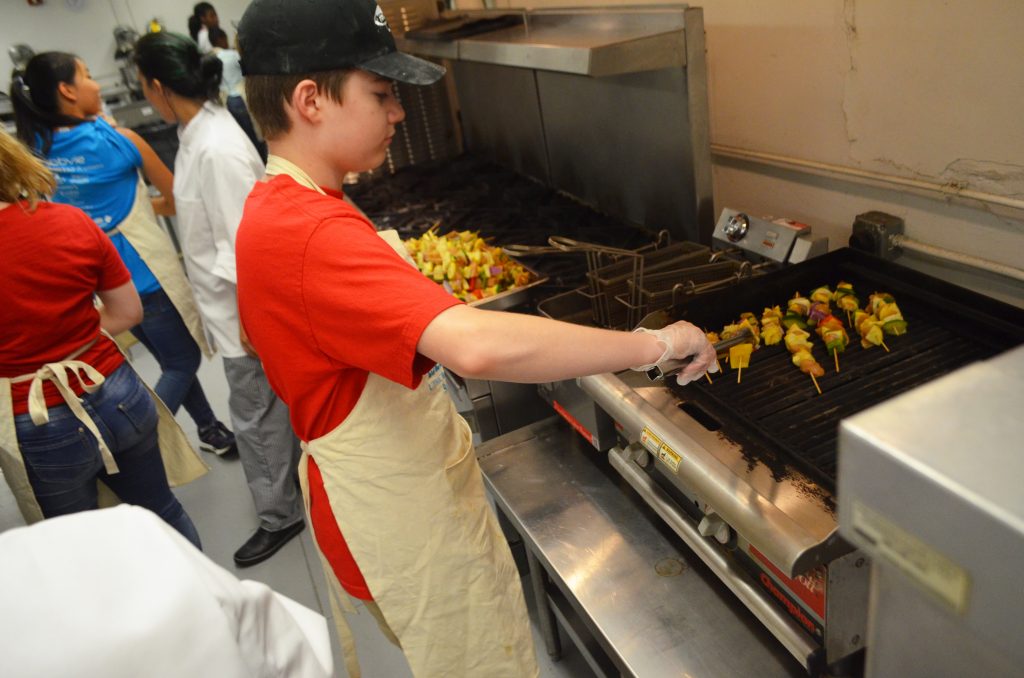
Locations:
(97, 171)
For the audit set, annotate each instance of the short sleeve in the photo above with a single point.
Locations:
(367, 307)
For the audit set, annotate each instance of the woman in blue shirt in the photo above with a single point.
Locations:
(56, 106)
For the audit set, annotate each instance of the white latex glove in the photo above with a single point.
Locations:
(683, 340)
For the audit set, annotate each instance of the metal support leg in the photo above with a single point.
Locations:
(548, 624)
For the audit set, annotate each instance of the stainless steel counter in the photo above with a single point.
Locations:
(650, 604)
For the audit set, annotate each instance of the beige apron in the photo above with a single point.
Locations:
(181, 461)
(406, 490)
(153, 244)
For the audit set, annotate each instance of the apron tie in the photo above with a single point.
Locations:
(57, 374)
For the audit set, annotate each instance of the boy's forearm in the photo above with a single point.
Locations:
(521, 348)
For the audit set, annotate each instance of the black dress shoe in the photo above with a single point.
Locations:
(265, 543)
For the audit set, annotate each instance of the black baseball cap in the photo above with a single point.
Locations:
(289, 37)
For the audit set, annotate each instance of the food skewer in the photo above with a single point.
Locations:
(771, 326)
(845, 299)
(832, 332)
(713, 338)
(673, 367)
(739, 357)
(799, 344)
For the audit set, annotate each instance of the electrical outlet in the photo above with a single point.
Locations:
(873, 231)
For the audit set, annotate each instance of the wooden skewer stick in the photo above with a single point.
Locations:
(835, 354)
(885, 347)
(708, 377)
(739, 374)
(815, 383)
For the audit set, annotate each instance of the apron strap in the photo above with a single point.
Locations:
(57, 374)
(278, 165)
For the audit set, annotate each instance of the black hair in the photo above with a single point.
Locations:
(215, 34)
(195, 22)
(36, 101)
(175, 61)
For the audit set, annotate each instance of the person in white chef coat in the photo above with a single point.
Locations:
(215, 168)
(117, 593)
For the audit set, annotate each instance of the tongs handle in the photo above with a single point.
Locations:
(674, 367)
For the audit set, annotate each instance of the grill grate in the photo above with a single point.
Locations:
(468, 193)
(776, 413)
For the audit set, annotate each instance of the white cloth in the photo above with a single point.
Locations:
(118, 593)
(214, 171)
(232, 84)
(203, 40)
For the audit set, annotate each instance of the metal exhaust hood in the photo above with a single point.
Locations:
(593, 42)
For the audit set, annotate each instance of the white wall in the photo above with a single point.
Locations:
(86, 27)
(922, 89)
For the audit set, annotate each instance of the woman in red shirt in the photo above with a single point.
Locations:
(80, 414)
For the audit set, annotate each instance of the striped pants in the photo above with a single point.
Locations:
(267, 446)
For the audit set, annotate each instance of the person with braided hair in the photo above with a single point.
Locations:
(56, 106)
(204, 17)
(215, 168)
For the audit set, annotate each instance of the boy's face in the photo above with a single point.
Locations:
(361, 128)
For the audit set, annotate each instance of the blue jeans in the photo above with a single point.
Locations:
(164, 333)
(63, 459)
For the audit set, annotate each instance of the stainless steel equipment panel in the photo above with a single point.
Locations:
(488, 94)
(930, 486)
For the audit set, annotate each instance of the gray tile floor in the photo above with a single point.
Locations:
(220, 505)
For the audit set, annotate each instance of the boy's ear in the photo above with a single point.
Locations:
(305, 101)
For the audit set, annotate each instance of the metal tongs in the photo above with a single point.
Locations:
(659, 319)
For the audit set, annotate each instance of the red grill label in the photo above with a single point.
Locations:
(810, 587)
(803, 596)
(575, 424)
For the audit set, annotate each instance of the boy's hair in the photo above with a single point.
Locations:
(268, 95)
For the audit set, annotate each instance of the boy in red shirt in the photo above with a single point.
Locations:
(352, 336)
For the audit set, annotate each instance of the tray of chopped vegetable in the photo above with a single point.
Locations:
(479, 274)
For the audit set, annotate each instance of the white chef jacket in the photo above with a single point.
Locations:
(232, 84)
(203, 41)
(214, 171)
(117, 593)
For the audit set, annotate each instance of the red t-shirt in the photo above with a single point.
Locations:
(325, 301)
(51, 263)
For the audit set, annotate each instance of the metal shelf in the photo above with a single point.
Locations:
(593, 43)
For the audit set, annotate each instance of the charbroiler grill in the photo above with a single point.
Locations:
(739, 472)
(745, 472)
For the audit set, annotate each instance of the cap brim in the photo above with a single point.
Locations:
(405, 68)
